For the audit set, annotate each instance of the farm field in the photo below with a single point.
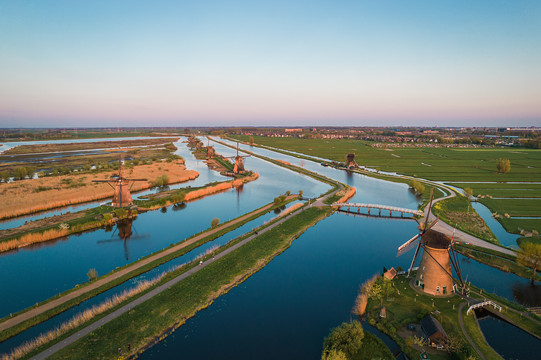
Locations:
(461, 167)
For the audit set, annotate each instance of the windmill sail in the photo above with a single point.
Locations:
(407, 246)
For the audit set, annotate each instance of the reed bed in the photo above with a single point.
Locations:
(348, 194)
(79, 319)
(32, 238)
(23, 197)
(289, 210)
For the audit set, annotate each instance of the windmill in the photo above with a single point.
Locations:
(239, 161)
(350, 161)
(121, 186)
(434, 275)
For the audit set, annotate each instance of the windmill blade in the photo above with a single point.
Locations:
(429, 208)
(106, 181)
(130, 179)
(431, 225)
(414, 257)
(407, 246)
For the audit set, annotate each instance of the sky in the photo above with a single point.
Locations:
(276, 63)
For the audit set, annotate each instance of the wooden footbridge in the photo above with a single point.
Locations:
(483, 304)
(378, 207)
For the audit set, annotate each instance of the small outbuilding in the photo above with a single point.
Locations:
(383, 312)
(390, 274)
(433, 332)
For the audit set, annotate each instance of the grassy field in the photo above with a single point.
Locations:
(524, 190)
(443, 164)
(164, 311)
(409, 307)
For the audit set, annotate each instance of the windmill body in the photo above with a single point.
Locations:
(434, 274)
(239, 165)
(350, 161)
(121, 186)
(122, 195)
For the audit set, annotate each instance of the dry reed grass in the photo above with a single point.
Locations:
(289, 210)
(348, 194)
(20, 198)
(362, 298)
(33, 238)
(79, 319)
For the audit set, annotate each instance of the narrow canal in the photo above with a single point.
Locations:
(284, 310)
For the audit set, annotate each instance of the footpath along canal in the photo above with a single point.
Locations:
(293, 301)
(286, 309)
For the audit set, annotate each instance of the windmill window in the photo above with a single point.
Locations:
(445, 290)
(421, 276)
(437, 289)
(424, 267)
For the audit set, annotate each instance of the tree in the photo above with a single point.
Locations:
(288, 193)
(503, 165)
(251, 140)
(4, 175)
(214, 222)
(334, 355)
(19, 173)
(346, 338)
(92, 274)
(301, 193)
(530, 256)
(418, 187)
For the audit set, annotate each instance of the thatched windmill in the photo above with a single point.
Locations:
(239, 162)
(434, 275)
(121, 186)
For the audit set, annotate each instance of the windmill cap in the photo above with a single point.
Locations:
(436, 240)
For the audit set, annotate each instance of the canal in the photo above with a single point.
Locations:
(286, 309)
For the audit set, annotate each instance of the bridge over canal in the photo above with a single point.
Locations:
(377, 207)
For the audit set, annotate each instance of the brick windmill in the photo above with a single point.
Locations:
(121, 186)
(239, 162)
(434, 276)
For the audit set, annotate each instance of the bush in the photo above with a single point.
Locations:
(160, 181)
(92, 274)
(120, 213)
(346, 338)
(4, 175)
(418, 187)
(19, 173)
(214, 222)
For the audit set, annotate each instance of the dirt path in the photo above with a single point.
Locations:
(87, 330)
(57, 302)
(461, 322)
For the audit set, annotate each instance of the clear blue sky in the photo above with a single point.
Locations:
(188, 63)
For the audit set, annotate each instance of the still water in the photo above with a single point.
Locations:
(284, 310)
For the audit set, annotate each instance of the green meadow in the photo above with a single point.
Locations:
(462, 167)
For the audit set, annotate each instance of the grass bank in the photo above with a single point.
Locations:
(458, 210)
(164, 312)
(500, 261)
(186, 246)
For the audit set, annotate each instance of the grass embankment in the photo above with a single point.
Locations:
(458, 210)
(335, 184)
(189, 194)
(425, 196)
(164, 312)
(442, 164)
(57, 227)
(88, 162)
(406, 306)
(184, 246)
(496, 260)
(28, 196)
(78, 146)
(438, 164)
